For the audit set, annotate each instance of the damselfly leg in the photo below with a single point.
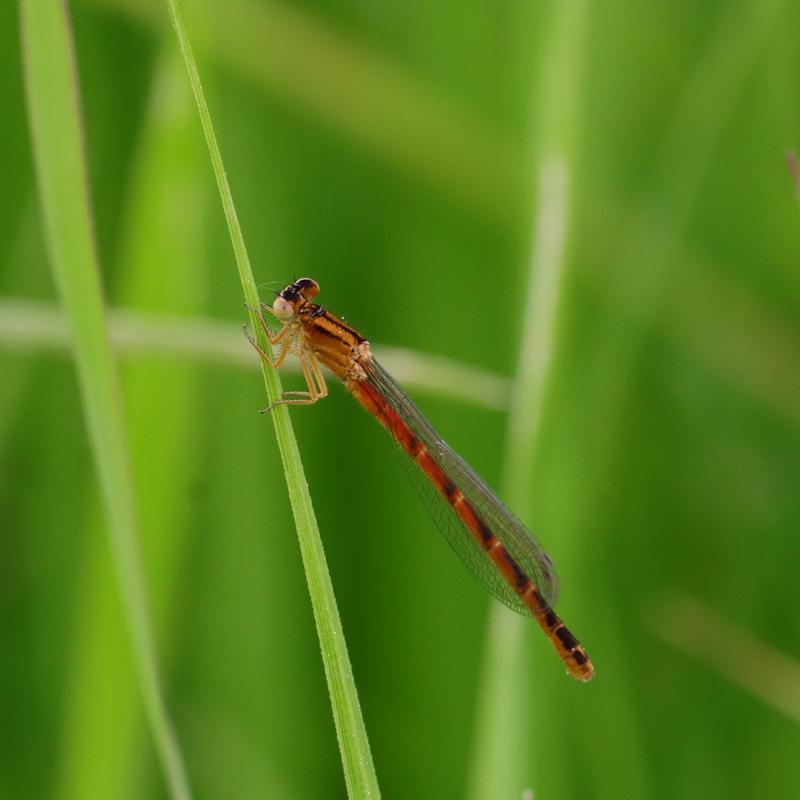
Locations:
(286, 338)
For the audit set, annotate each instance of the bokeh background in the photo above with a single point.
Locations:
(396, 153)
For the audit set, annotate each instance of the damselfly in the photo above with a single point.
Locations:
(494, 544)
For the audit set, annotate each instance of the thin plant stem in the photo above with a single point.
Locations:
(351, 732)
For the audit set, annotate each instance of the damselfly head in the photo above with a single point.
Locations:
(294, 297)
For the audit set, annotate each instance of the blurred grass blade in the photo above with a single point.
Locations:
(54, 110)
(680, 166)
(34, 325)
(351, 733)
(731, 651)
(357, 91)
(500, 766)
(793, 165)
(504, 730)
(161, 265)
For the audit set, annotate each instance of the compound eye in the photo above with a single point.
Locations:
(282, 309)
(307, 287)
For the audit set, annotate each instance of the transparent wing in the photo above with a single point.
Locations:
(514, 536)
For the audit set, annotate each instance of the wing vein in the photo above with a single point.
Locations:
(511, 532)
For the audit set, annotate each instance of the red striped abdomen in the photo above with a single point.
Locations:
(567, 646)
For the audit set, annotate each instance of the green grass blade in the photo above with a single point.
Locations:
(351, 733)
(503, 730)
(57, 139)
(161, 265)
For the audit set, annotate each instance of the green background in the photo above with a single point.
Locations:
(390, 150)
